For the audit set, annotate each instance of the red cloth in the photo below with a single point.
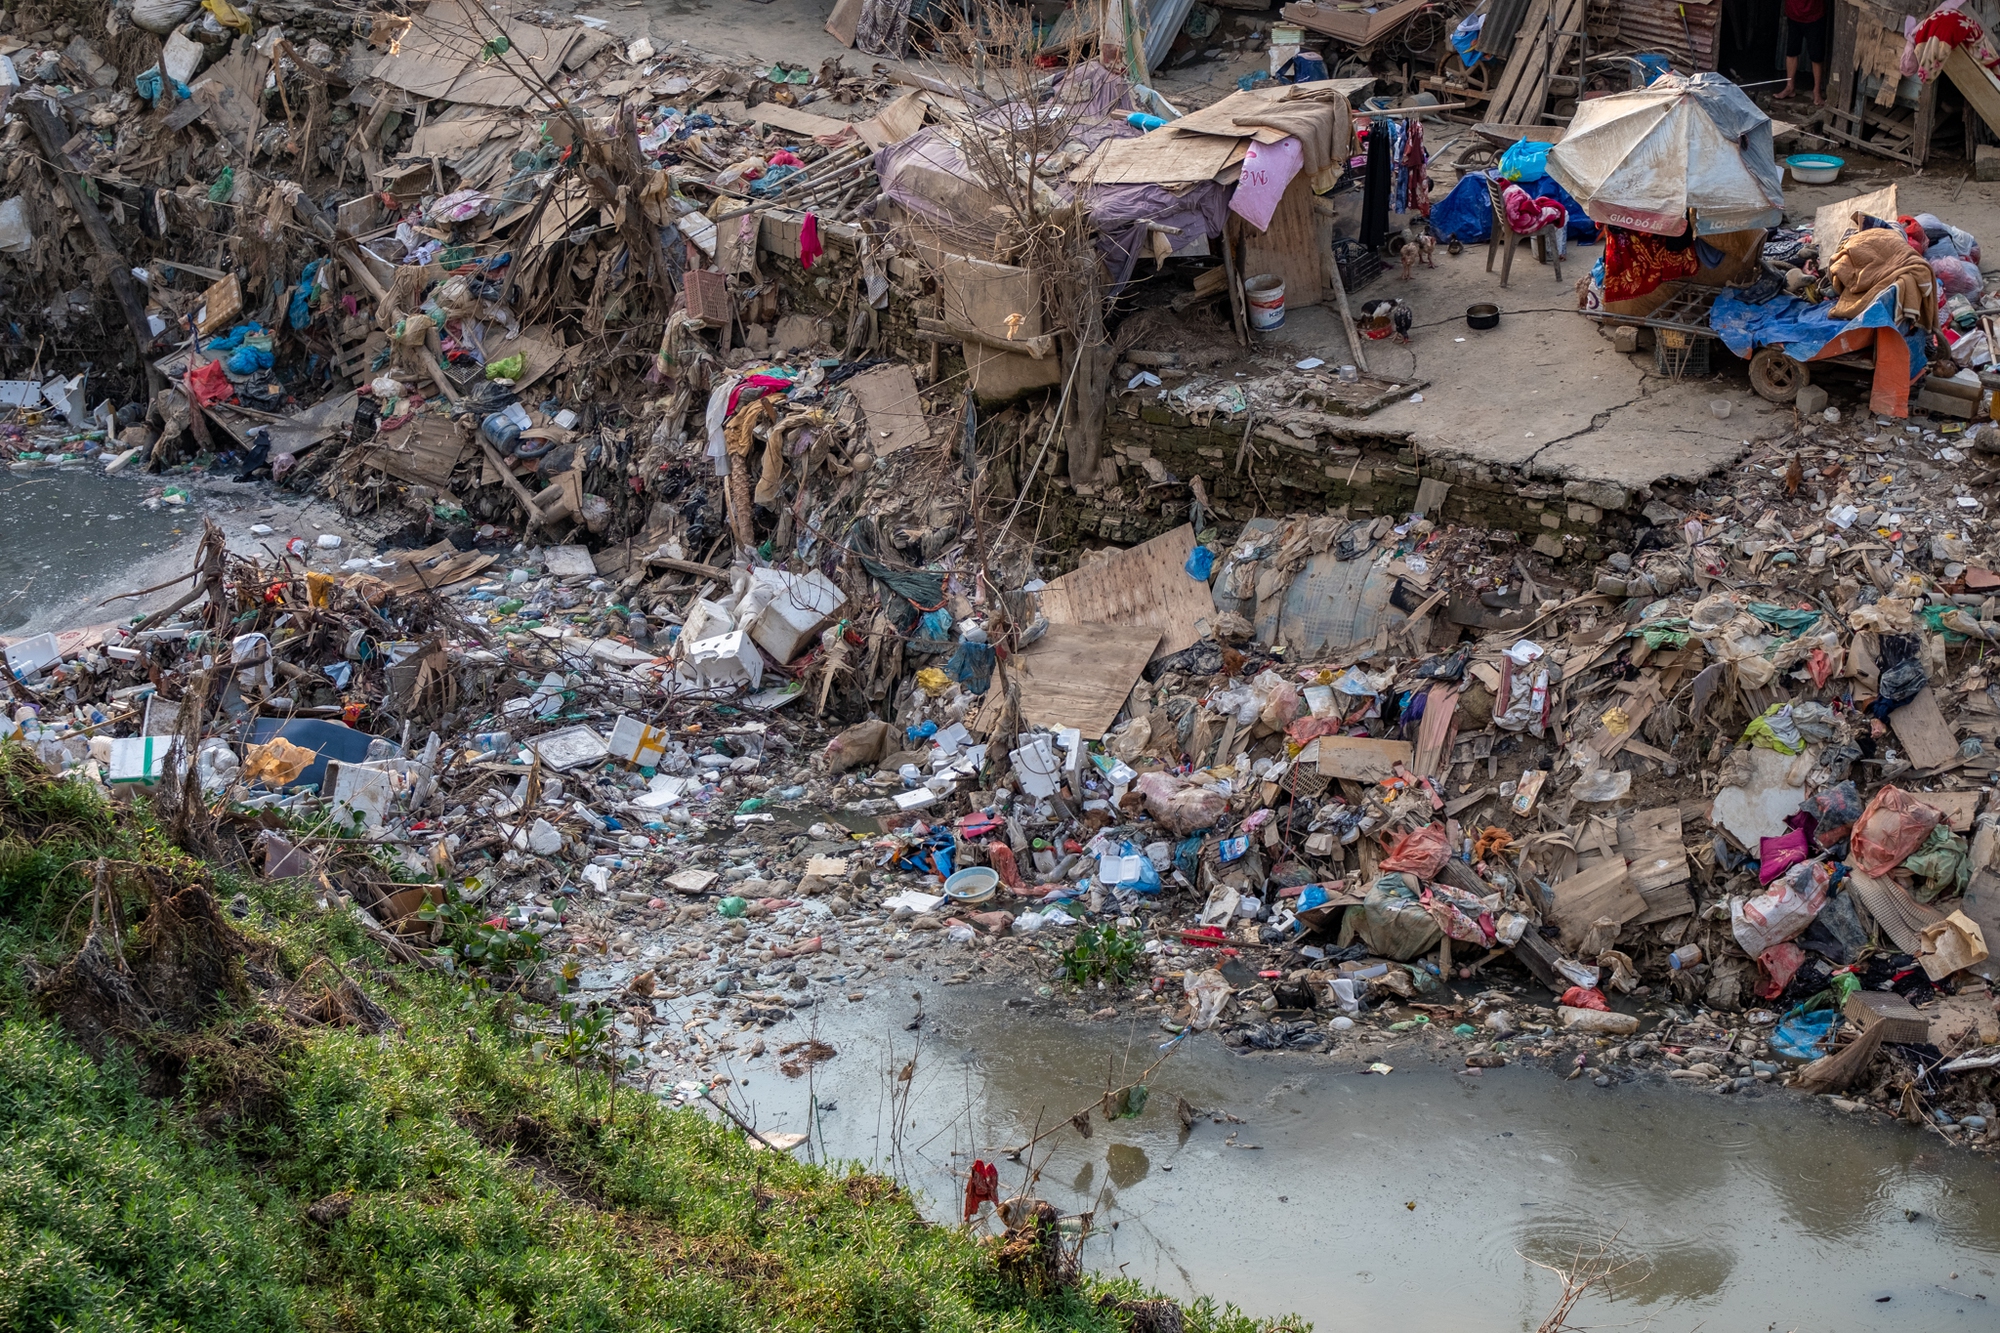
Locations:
(1805, 11)
(1635, 263)
(754, 387)
(809, 246)
(1585, 997)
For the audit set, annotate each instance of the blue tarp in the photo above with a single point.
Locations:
(1467, 212)
(1801, 329)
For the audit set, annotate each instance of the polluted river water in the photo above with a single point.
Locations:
(1422, 1198)
(72, 528)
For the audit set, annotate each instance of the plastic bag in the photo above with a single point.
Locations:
(1834, 810)
(1779, 963)
(1805, 1036)
(1601, 783)
(1775, 730)
(1181, 805)
(1782, 911)
(1957, 277)
(1777, 855)
(1579, 997)
(1130, 868)
(1527, 160)
(161, 17)
(1421, 853)
(1200, 563)
(1207, 993)
(1394, 921)
(1894, 825)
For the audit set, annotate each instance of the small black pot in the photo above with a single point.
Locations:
(1484, 315)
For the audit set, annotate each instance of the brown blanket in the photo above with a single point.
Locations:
(1871, 260)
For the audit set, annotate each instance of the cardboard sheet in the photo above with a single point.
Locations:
(1359, 759)
(895, 413)
(1163, 157)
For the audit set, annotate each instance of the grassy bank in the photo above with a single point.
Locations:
(233, 1164)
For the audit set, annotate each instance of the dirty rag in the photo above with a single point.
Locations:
(1872, 261)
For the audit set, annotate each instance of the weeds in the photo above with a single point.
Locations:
(1101, 954)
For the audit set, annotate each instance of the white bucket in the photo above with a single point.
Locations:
(1266, 297)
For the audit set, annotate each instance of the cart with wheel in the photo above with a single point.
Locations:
(1782, 363)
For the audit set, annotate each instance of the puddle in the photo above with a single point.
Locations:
(1419, 1197)
(71, 527)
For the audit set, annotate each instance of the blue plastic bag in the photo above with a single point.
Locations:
(1805, 1036)
(923, 731)
(1200, 563)
(1525, 161)
(1140, 876)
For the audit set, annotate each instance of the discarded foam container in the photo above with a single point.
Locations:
(637, 743)
(801, 605)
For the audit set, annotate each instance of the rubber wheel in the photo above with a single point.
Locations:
(1452, 70)
(1776, 377)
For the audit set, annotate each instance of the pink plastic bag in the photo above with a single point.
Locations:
(1894, 825)
(1422, 853)
(1181, 806)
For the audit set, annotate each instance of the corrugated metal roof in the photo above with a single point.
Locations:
(1503, 20)
(1686, 30)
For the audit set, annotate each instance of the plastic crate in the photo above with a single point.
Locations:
(1677, 354)
(1358, 265)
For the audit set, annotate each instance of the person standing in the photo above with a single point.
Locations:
(1805, 34)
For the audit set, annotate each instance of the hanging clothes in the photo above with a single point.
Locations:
(1375, 186)
(1413, 188)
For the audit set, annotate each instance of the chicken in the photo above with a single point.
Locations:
(1410, 252)
(1427, 245)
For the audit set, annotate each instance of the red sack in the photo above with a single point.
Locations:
(1422, 853)
(1894, 825)
(1585, 997)
(982, 1186)
(1001, 857)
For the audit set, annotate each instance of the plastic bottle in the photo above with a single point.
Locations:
(501, 431)
(492, 741)
(1684, 957)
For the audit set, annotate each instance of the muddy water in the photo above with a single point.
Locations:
(1417, 1199)
(65, 529)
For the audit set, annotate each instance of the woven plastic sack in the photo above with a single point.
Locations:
(1780, 912)
(1394, 921)
(1894, 825)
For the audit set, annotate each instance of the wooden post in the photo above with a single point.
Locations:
(48, 130)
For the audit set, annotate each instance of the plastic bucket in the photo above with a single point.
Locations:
(1265, 294)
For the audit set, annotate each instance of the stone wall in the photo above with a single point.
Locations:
(1158, 452)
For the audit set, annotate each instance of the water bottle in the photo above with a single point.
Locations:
(492, 741)
(501, 431)
(1684, 957)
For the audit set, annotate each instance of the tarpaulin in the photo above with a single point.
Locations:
(1799, 328)
(1467, 212)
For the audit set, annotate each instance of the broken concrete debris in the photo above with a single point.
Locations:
(732, 626)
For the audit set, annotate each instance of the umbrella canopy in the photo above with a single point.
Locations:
(1642, 159)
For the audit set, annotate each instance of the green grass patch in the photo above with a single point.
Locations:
(436, 1178)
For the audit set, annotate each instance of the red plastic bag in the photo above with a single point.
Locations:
(1001, 857)
(1779, 963)
(1422, 853)
(982, 1186)
(1585, 997)
(1894, 825)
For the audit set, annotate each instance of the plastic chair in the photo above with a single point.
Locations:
(1547, 239)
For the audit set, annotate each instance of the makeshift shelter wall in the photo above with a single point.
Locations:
(1289, 247)
(1741, 251)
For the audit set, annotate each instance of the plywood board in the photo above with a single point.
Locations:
(1081, 675)
(1146, 585)
(797, 121)
(895, 413)
(979, 297)
(844, 21)
(1359, 759)
(451, 137)
(1289, 247)
(1834, 220)
(1926, 737)
(1650, 841)
(1604, 890)
(1976, 82)
(894, 122)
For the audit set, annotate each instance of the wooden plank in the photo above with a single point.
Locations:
(1926, 737)
(424, 450)
(1146, 585)
(894, 411)
(1958, 807)
(1526, 38)
(1532, 92)
(1604, 890)
(1978, 85)
(1652, 843)
(1289, 247)
(1434, 733)
(1359, 759)
(1081, 675)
